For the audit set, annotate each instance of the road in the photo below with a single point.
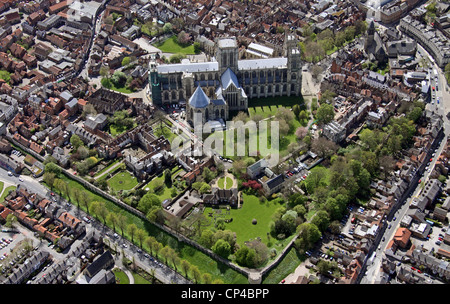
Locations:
(162, 272)
(442, 107)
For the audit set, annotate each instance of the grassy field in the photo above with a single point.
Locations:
(122, 180)
(251, 209)
(170, 45)
(284, 268)
(139, 280)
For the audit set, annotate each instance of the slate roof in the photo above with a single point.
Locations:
(253, 64)
(274, 182)
(199, 99)
(188, 67)
(228, 77)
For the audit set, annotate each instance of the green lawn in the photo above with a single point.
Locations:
(165, 192)
(123, 180)
(170, 45)
(5, 192)
(284, 268)
(225, 183)
(121, 276)
(139, 280)
(164, 131)
(107, 167)
(114, 130)
(251, 209)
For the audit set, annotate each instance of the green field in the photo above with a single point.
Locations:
(170, 45)
(251, 209)
(122, 180)
(284, 268)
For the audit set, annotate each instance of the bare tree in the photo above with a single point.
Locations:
(324, 147)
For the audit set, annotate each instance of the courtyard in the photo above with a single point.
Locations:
(122, 180)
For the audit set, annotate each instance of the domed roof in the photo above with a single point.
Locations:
(199, 99)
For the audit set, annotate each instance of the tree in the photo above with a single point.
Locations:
(49, 179)
(119, 78)
(386, 165)
(301, 132)
(140, 235)
(195, 273)
(150, 241)
(185, 266)
(222, 248)
(88, 109)
(165, 252)
(101, 210)
(105, 71)
(112, 218)
(148, 201)
(316, 70)
(168, 178)
(308, 235)
(176, 58)
(208, 175)
(167, 27)
(245, 256)
(106, 82)
(183, 38)
(76, 141)
(296, 110)
(324, 147)
(132, 228)
(126, 61)
(159, 117)
(205, 189)
(122, 222)
(52, 168)
(206, 278)
(197, 47)
(325, 113)
(207, 238)
(321, 219)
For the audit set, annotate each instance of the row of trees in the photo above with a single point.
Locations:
(149, 203)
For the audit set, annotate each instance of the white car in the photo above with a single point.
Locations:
(20, 179)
